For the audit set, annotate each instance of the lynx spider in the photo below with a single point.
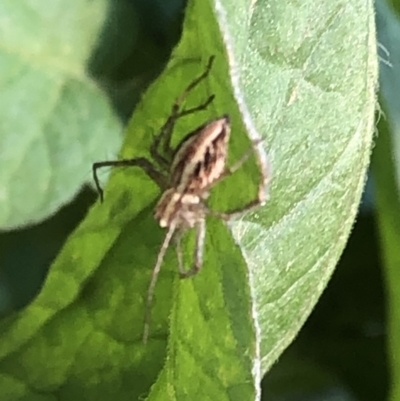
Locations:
(185, 175)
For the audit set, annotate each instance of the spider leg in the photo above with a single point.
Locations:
(163, 139)
(179, 254)
(141, 162)
(153, 281)
(198, 253)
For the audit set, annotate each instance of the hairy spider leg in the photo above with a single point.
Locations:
(153, 281)
(163, 139)
(140, 162)
(200, 228)
(197, 265)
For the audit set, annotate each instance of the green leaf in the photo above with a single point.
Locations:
(309, 76)
(54, 120)
(304, 78)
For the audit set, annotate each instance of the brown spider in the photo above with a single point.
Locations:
(185, 175)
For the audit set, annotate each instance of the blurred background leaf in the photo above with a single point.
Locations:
(53, 117)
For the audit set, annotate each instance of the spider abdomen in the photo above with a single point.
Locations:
(201, 157)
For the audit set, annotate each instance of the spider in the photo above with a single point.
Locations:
(185, 176)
